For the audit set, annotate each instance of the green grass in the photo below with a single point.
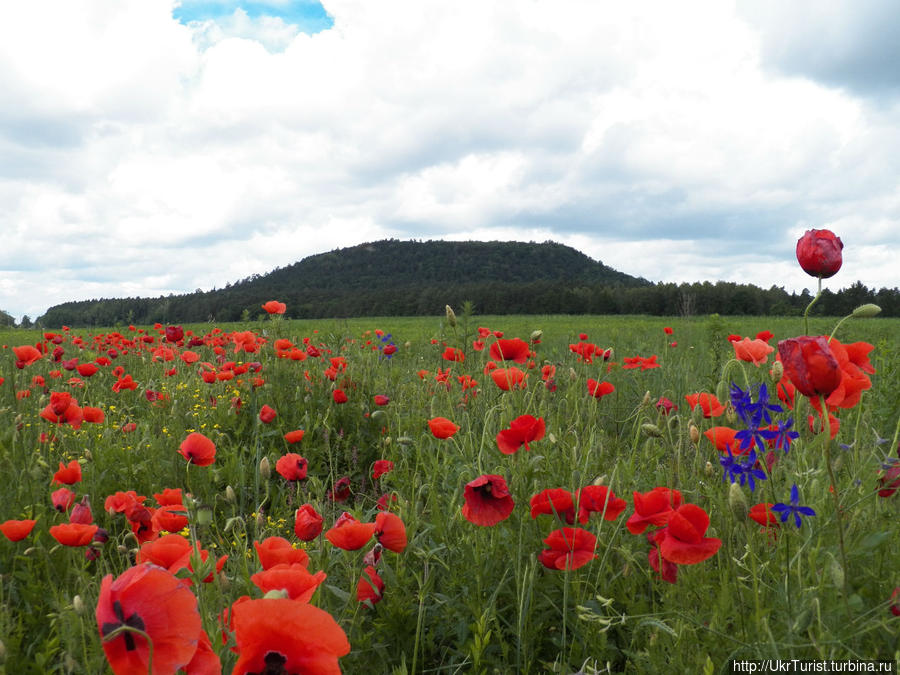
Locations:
(464, 598)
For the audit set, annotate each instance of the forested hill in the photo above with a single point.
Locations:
(391, 277)
(409, 278)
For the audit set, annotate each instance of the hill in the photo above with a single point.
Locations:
(391, 277)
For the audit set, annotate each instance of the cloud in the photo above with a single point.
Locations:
(142, 153)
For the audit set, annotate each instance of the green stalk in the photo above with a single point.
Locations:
(809, 307)
(837, 501)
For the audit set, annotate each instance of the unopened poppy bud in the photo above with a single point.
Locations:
(709, 469)
(260, 521)
(646, 401)
(122, 548)
(277, 593)
(536, 335)
(737, 502)
(730, 413)
(204, 515)
(695, 433)
(78, 605)
(451, 315)
(866, 311)
(836, 572)
(265, 470)
(600, 480)
(777, 371)
(88, 455)
(407, 344)
(377, 414)
(552, 438)
(651, 430)
(572, 374)
(230, 497)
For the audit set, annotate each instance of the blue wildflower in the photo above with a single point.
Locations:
(793, 508)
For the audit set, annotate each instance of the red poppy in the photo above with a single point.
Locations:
(818, 425)
(667, 330)
(198, 449)
(299, 583)
(68, 474)
(73, 534)
(509, 378)
(819, 253)
(810, 365)
(390, 531)
(276, 550)
(165, 551)
(339, 396)
(86, 369)
(554, 501)
(381, 467)
(169, 497)
(708, 403)
(307, 523)
(350, 534)
(294, 436)
(599, 389)
(205, 661)
(762, 514)
(668, 570)
(765, 335)
(267, 414)
(682, 541)
(370, 586)
(26, 355)
(381, 399)
(454, 354)
(753, 351)
(653, 508)
(570, 548)
(722, 438)
(93, 415)
(81, 512)
(598, 499)
(889, 481)
(279, 635)
(510, 349)
(522, 431)
(174, 333)
(17, 530)
(442, 428)
(487, 500)
(275, 307)
(120, 501)
(291, 466)
(853, 361)
(665, 406)
(171, 518)
(152, 600)
(644, 363)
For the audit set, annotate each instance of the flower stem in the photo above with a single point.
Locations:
(837, 501)
(809, 307)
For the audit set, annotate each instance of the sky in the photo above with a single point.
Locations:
(150, 147)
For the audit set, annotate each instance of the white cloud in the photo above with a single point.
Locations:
(651, 136)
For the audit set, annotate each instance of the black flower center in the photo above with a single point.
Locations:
(133, 621)
(274, 665)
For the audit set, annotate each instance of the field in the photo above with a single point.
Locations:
(515, 591)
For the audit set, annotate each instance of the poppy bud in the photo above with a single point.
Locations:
(599, 480)
(836, 572)
(737, 502)
(646, 401)
(78, 605)
(451, 316)
(730, 413)
(572, 374)
(265, 469)
(709, 469)
(819, 253)
(230, 497)
(695, 434)
(536, 335)
(204, 515)
(866, 311)
(651, 430)
(276, 593)
(777, 371)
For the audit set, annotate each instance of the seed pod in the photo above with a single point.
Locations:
(737, 502)
(451, 316)
(651, 430)
(695, 434)
(265, 470)
(78, 605)
(777, 371)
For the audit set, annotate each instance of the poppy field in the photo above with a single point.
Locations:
(457, 494)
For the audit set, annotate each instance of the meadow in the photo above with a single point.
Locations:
(552, 548)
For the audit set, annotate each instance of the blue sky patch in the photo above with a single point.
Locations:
(308, 15)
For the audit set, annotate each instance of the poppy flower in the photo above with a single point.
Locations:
(291, 466)
(763, 514)
(93, 415)
(442, 428)
(665, 406)
(853, 361)
(724, 437)
(810, 365)
(818, 425)
(62, 499)
(598, 499)
(390, 531)
(682, 541)
(339, 396)
(205, 661)
(81, 512)
(667, 330)
(198, 449)
(267, 414)
(819, 253)
(370, 586)
(350, 534)
(668, 571)
(653, 508)
(276, 550)
(68, 474)
(174, 333)
(487, 500)
(554, 501)
(509, 378)
(454, 354)
(599, 389)
(155, 601)
(26, 355)
(165, 551)
(708, 403)
(642, 362)
(522, 431)
(753, 351)
(570, 548)
(294, 436)
(381, 399)
(299, 582)
(17, 530)
(307, 523)
(275, 307)
(171, 518)
(279, 635)
(86, 369)
(381, 467)
(73, 534)
(510, 349)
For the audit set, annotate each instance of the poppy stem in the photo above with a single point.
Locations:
(837, 501)
(125, 629)
(809, 307)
